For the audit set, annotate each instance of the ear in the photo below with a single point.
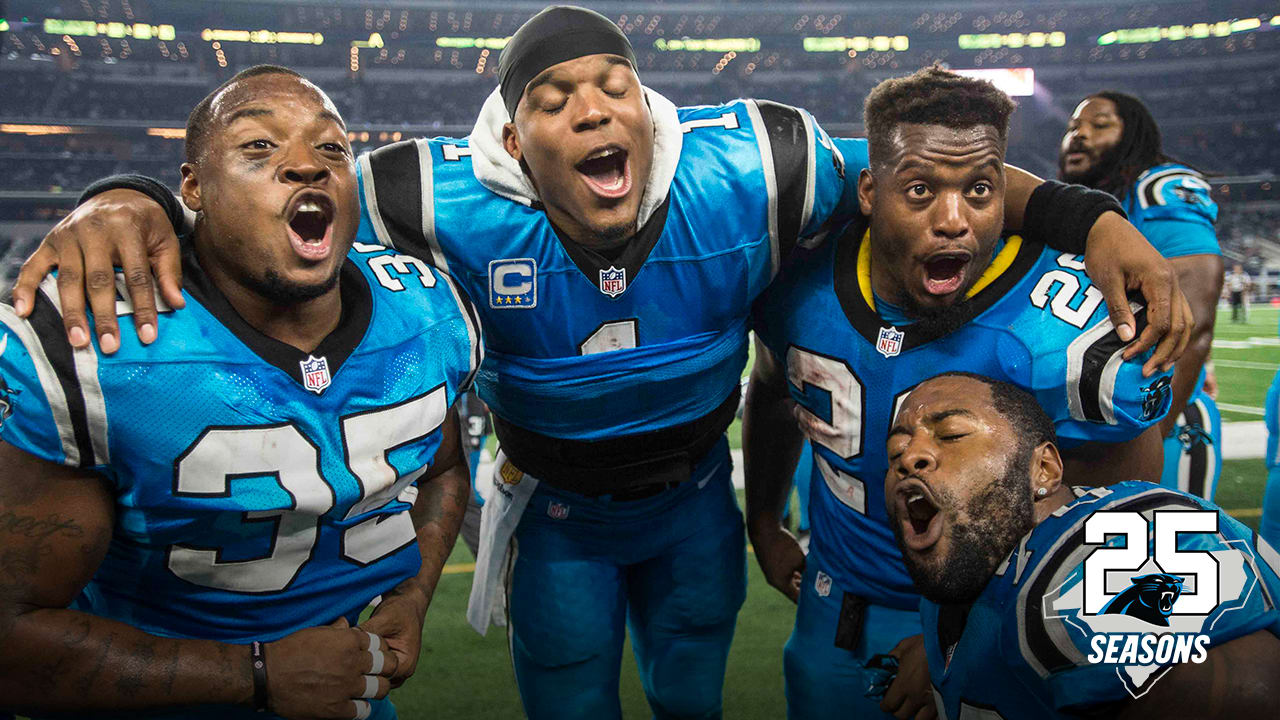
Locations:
(190, 188)
(511, 142)
(866, 191)
(1046, 470)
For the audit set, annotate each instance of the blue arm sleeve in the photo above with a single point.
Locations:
(1077, 373)
(1181, 236)
(34, 414)
(838, 162)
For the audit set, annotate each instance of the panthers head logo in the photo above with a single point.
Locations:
(1155, 395)
(1149, 598)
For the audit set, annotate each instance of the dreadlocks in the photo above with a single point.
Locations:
(1139, 147)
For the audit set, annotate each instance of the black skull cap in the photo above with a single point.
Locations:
(555, 35)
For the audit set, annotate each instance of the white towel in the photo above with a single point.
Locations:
(504, 502)
(498, 171)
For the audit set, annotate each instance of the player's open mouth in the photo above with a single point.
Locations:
(606, 171)
(310, 224)
(944, 272)
(918, 513)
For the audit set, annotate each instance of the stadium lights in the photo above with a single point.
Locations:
(1014, 82)
(4, 25)
(374, 41)
(472, 42)
(719, 45)
(167, 133)
(262, 37)
(859, 43)
(987, 41)
(23, 129)
(1222, 28)
(89, 28)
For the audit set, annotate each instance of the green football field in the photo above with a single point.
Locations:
(463, 675)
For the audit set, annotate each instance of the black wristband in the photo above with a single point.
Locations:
(258, 661)
(1060, 215)
(150, 187)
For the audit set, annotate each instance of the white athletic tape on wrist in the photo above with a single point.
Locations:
(363, 709)
(370, 686)
(378, 660)
(375, 642)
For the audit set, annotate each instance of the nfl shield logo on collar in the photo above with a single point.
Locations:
(613, 282)
(890, 341)
(315, 373)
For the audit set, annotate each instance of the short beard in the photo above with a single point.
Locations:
(1097, 173)
(612, 236)
(998, 518)
(285, 293)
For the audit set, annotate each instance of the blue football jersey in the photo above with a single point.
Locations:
(1172, 206)
(1033, 319)
(1027, 648)
(259, 489)
(585, 347)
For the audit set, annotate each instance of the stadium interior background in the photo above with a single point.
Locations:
(94, 87)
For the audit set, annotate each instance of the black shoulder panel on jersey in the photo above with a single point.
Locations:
(791, 143)
(1094, 364)
(1038, 641)
(1147, 186)
(396, 178)
(46, 321)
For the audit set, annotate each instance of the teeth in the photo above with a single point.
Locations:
(602, 153)
(310, 206)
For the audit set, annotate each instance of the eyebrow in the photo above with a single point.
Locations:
(546, 75)
(251, 112)
(934, 419)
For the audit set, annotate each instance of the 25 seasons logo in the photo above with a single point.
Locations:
(1149, 589)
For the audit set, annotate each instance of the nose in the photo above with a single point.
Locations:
(919, 457)
(949, 216)
(592, 113)
(302, 167)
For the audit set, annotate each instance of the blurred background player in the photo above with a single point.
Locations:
(1113, 143)
(848, 328)
(207, 503)
(1238, 286)
(995, 538)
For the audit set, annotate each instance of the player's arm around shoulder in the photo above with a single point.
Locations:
(1103, 407)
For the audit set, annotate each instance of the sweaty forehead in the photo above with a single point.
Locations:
(1094, 107)
(947, 394)
(268, 90)
(942, 144)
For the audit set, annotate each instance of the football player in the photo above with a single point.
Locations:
(850, 327)
(1112, 143)
(613, 245)
(1005, 551)
(192, 526)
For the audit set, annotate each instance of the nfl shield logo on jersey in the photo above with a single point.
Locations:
(890, 341)
(613, 282)
(315, 373)
(822, 584)
(559, 511)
